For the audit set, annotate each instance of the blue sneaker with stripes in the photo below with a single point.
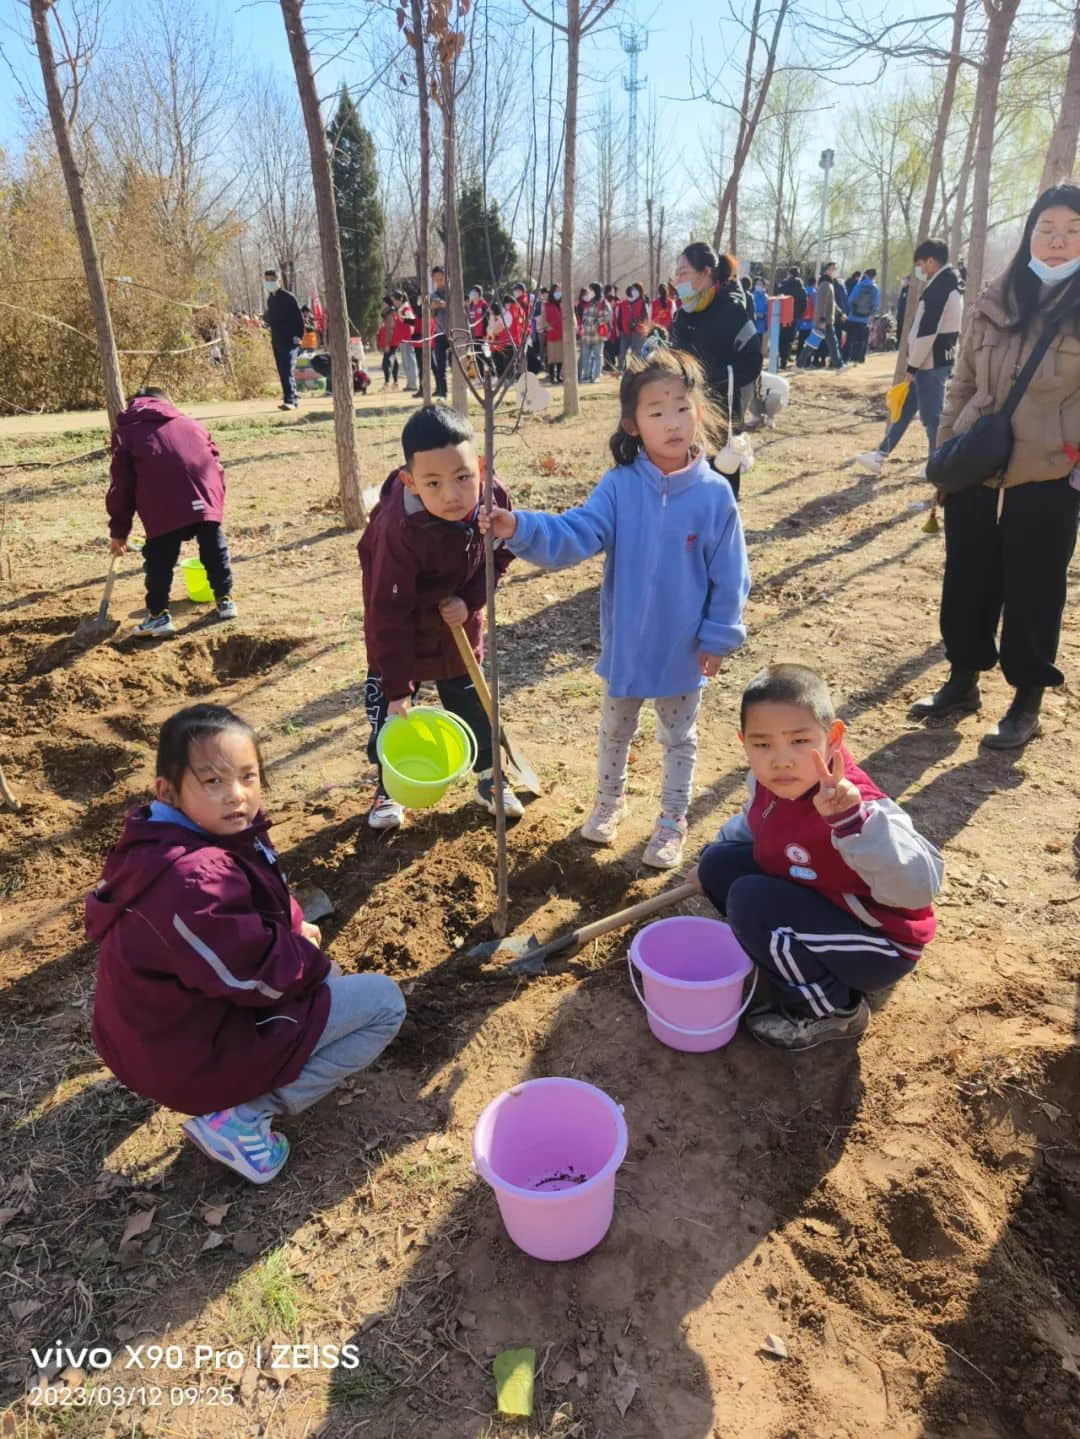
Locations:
(249, 1146)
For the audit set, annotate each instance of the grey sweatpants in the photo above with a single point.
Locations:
(366, 1011)
(676, 730)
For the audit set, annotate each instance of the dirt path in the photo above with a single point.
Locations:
(905, 1217)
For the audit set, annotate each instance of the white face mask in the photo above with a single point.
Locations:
(920, 274)
(1053, 274)
(270, 286)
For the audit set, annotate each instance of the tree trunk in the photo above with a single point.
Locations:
(956, 233)
(1061, 156)
(424, 351)
(459, 325)
(660, 246)
(1000, 15)
(650, 243)
(569, 332)
(95, 280)
(937, 155)
(337, 315)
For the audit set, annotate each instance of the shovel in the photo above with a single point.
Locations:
(87, 632)
(531, 956)
(525, 774)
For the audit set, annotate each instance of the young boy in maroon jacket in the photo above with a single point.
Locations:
(824, 881)
(423, 561)
(165, 469)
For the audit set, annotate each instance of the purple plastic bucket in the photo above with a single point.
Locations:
(550, 1148)
(692, 972)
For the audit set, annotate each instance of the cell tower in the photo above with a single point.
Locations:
(635, 40)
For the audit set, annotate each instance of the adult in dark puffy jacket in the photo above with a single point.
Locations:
(285, 321)
(713, 324)
(165, 469)
(213, 995)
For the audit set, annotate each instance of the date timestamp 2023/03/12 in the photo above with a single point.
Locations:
(126, 1396)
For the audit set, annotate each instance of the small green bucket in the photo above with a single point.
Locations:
(196, 582)
(423, 754)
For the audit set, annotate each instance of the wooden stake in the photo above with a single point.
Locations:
(502, 897)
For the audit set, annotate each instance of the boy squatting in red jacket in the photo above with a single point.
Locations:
(824, 881)
(213, 995)
(165, 468)
(423, 561)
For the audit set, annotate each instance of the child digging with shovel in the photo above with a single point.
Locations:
(165, 469)
(422, 556)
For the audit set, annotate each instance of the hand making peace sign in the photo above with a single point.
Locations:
(836, 795)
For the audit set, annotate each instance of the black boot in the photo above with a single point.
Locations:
(958, 695)
(1019, 723)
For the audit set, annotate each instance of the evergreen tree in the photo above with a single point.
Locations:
(359, 214)
(472, 220)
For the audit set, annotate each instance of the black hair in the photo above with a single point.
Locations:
(794, 274)
(269, 274)
(433, 428)
(1023, 284)
(150, 392)
(597, 291)
(437, 270)
(788, 684)
(186, 727)
(932, 250)
(869, 274)
(700, 256)
(662, 364)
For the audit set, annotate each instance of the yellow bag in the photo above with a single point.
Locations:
(894, 400)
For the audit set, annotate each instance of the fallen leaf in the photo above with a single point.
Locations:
(775, 1346)
(246, 1243)
(585, 1355)
(514, 1370)
(136, 1224)
(623, 1393)
(1053, 1112)
(248, 1383)
(23, 1308)
(214, 1240)
(214, 1214)
(467, 1319)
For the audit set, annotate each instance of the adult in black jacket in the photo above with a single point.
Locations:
(285, 321)
(792, 285)
(713, 324)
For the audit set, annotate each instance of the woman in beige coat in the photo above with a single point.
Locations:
(1008, 543)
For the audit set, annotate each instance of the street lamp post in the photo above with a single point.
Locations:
(825, 164)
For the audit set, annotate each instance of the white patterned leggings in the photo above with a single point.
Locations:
(676, 730)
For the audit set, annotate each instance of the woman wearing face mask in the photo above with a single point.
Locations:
(712, 323)
(1008, 543)
(551, 326)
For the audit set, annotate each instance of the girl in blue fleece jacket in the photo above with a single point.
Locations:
(675, 581)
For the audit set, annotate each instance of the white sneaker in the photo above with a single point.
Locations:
(871, 462)
(665, 847)
(385, 813)
(603, 823)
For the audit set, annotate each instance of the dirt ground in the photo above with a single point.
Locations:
(904, 1216)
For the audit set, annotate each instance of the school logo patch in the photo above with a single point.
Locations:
(797, 855)
(800, 871)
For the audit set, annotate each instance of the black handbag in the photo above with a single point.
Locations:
(983, 452)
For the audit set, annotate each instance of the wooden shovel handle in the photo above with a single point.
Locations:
(578, 937)
(476, 674)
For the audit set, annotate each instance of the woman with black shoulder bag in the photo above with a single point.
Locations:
(1008, 467)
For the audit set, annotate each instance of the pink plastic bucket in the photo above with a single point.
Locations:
(692, 971)
(549, 1148)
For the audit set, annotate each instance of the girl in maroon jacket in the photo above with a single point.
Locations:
(213, 995)
(165, 469)
(825, 882)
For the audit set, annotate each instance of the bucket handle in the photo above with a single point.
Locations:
(466, 730)
(678, 1028)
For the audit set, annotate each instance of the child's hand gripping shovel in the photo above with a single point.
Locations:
(525, 775)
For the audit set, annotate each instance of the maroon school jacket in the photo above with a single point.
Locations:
(207, 993)
(411, 560)
(165, 469)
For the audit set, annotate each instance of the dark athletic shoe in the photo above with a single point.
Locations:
(1019, 723)
(780, 1030)
(958, 695)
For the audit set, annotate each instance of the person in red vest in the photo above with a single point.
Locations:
(662, 309)
(404, 323)
(638, 322)
(551, 323)
(825, 882)
(611, 338)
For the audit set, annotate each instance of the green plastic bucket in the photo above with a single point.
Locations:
(423, 754)
(196, 582)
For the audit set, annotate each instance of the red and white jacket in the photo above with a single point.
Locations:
(871, 861)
